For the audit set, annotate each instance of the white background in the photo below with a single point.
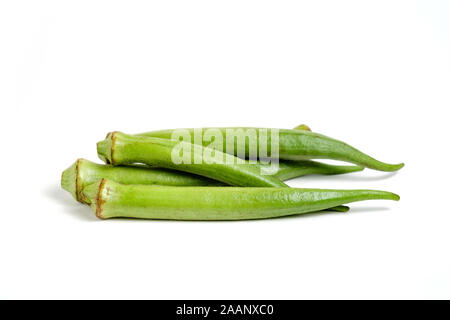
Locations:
(375, 74)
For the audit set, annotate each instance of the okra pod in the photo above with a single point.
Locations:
(110, 199)
(294, 144)
(84, 172)
(122, 149)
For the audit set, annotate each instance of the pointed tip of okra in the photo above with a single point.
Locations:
(69, 179)
(104, 148)
(374, 195)
(395, 197)
(389, 196)
(382, 166)
(398, 166)
(390, 167)
(362, 195)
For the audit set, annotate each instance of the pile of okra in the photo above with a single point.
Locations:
(173, 175)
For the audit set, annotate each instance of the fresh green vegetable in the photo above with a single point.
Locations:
(110, 199)
(84, 172)
(293, 145)
(122, 149)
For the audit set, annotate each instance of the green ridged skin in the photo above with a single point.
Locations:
(122, 149)
(300, 144)
(84, 172)
(110, 199)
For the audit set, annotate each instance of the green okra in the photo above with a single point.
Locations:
(122, 149)
(84, 172)
(110, 199)
(294, 144)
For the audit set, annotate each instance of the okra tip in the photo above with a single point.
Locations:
(393, 196)
(385, 195)
(345, 169)
(387, 167)
(69, 179)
